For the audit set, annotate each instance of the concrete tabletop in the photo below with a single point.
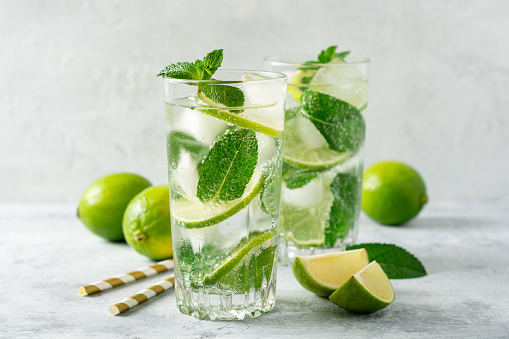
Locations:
(46, 254)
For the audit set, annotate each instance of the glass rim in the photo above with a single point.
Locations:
(295, 60)
(269, 76)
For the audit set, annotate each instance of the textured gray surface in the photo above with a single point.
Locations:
(45, 254)
(79, 97)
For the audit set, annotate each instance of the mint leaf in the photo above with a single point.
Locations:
(182, 70)
(340, 123)
(345, 189)
(223, 94)
(179, 141)
(297, 177)
(212, 62)
(341, 56)
(396, 262)
(228, 167)
(327, 55)
(199, 70)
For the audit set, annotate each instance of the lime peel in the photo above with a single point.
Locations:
(194, 207)
(240, 121)
(367, 291)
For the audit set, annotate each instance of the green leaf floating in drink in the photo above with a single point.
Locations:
(340, 123)
(227, 182)
(345, 189)
(297, 177)
(179, 141)
(228, 167)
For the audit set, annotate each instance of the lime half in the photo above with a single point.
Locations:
(366, 291)
(305, 146)
(193, 213)
(234, 259)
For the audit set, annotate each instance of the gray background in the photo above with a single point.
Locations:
(79, 98)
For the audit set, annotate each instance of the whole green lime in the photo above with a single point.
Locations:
(102, 205)
(147, 226)
(392, 192)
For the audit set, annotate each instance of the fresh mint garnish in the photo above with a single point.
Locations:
(345, 189)
(329, 54)
(340, 123)
(396, 262)
(203, 70)
(228, 167)
(212, 62)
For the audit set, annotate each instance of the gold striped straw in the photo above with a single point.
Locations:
(142, 296)
(125, 278)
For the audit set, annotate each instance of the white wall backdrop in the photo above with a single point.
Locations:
(79, 98)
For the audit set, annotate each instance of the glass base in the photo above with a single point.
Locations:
(204, 304)
(288, 250)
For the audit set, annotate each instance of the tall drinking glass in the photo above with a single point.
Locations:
(224, 168)
(323, 154)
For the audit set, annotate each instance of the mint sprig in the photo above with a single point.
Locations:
(345, 189)
(329, 54)
(228, 167)
(340, 123)
(396, 262)
(203, 70)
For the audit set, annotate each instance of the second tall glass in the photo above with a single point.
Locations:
(323, 153)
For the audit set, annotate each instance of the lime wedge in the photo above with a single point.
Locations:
(305, 146)
(253, 118)
(234, 259)
(366, 291)
(325, 273)
(193, 213)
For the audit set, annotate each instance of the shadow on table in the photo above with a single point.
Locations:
(442, 223)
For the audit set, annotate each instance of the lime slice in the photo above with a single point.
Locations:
(235, 258)
(253, 118)
(367, 291)
(305, 147)
(191, 212)
(325, 273)
(299, 81)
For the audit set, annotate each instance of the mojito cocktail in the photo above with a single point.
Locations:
(323, 152)
(224, 138)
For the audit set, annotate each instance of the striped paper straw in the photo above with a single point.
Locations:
(142, 296)
(122, 279)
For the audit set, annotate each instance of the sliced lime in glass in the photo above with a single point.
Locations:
(305, 212)
(307, 148)
(254, 119)
(236, 257)
(193, 213)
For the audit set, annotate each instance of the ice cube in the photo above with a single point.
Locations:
(344, 82)
(186, 176)
(308, 133)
